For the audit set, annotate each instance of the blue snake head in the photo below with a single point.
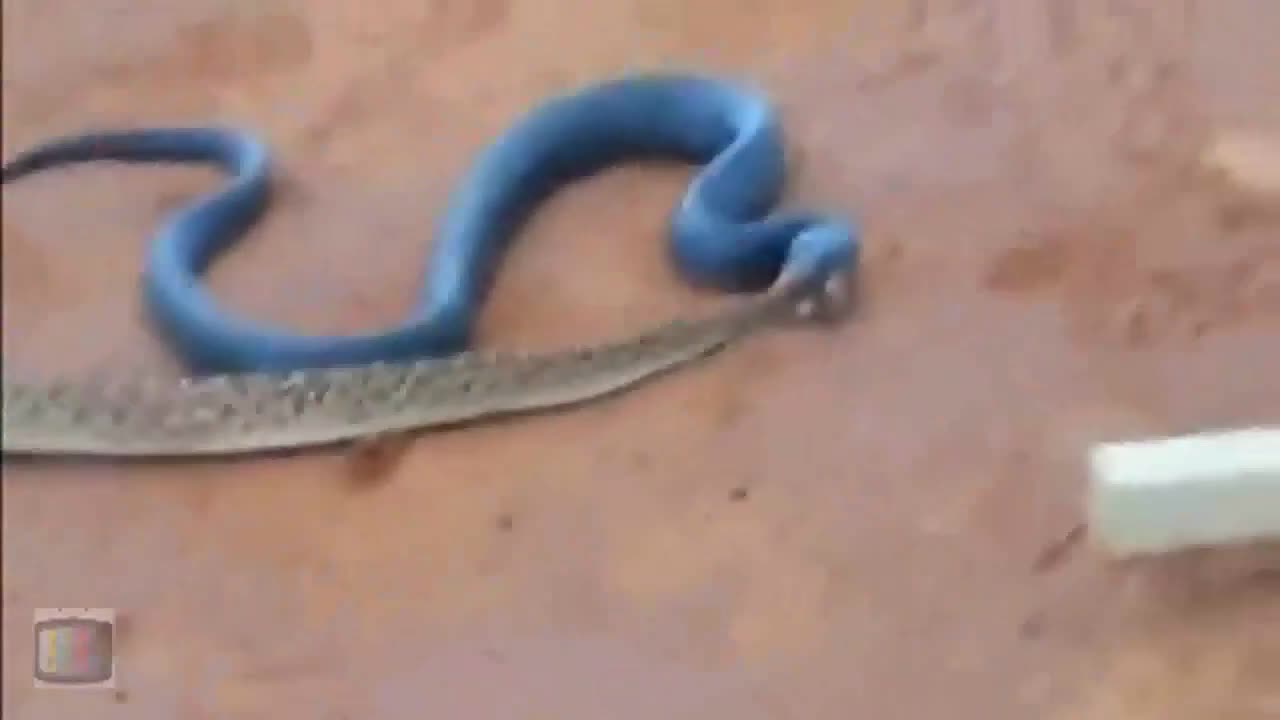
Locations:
(822, 263)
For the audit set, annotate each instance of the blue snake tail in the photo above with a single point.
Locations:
(232, 151)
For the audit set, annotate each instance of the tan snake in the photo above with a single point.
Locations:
(256, 412)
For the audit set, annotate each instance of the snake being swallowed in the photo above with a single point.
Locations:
(264, 388)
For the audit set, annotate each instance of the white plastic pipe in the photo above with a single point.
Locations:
(1166, 494)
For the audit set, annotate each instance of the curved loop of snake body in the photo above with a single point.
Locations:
(721, 234)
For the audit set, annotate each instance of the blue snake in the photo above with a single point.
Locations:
(723, 233)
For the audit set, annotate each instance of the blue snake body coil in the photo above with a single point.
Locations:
(721, 234)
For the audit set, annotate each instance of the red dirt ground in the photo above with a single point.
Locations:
(815, 525)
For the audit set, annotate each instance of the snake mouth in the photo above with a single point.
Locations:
(830, 303)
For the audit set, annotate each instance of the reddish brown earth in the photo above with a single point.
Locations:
(817, 525)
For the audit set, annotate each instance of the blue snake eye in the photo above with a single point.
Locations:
(819, 252)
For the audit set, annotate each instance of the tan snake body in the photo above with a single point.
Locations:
(257, 412)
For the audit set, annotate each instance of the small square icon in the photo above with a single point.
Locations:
(75, 648)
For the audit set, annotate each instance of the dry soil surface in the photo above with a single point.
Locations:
(1071, 234)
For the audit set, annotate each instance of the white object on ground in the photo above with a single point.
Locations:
(1251, 159)
(1167, 494)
